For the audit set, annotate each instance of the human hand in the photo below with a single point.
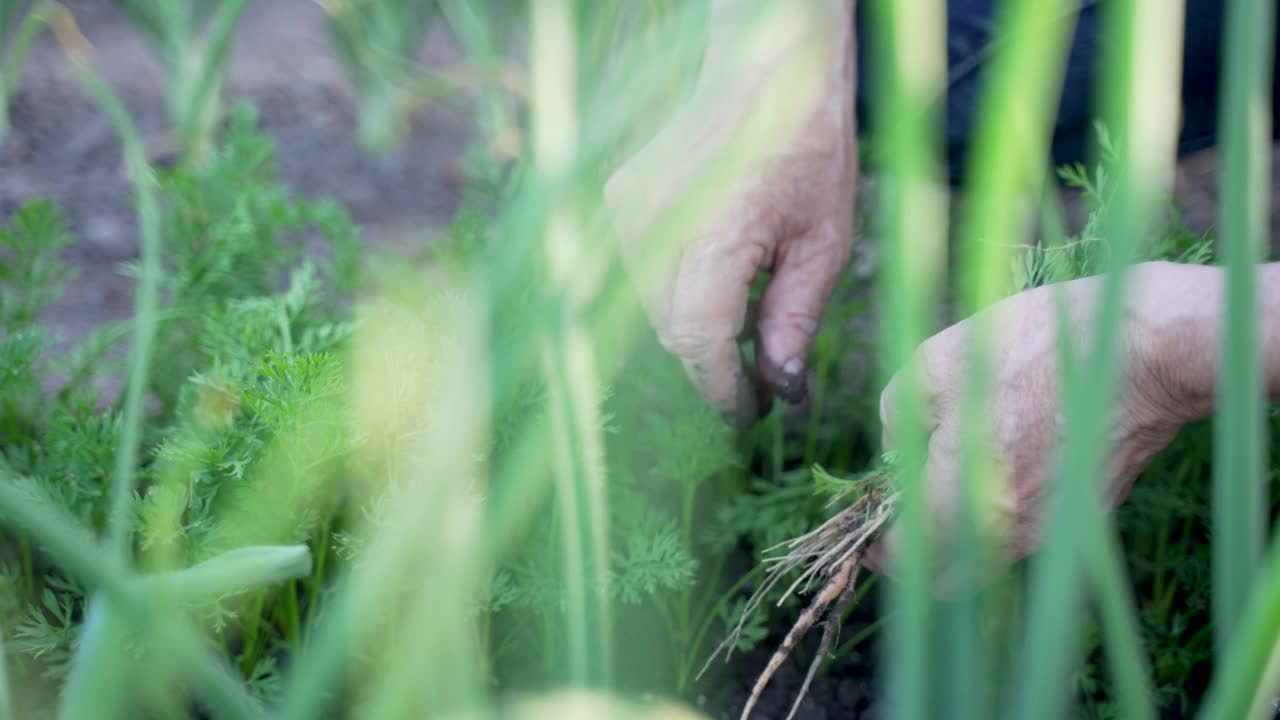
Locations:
(1169, 338)
(784, 205)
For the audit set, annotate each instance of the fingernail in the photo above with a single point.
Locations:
(789, 381)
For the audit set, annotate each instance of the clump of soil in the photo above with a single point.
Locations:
(848, 689)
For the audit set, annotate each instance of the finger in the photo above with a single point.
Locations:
(651, 262)
(941, 483)
(791, 310)
(708, 306)
(891, 399)
(879, 555)
(942, 478)
(716, 278)
(750, 332)
(937, 364)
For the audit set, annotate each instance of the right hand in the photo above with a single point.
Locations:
(1169, 337)
(786, 207)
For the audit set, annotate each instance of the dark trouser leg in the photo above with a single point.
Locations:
(972, 37)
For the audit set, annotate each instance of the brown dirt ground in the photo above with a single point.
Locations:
(61, 147)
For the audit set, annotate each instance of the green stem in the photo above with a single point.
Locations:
(688, 496)
(818, 396)
(36, 18)
(8, 9)
(146, 296)
(209, 78)
(1200, 637)
(690, 644)
(854, 641)
(28, 576)
(321, 553)
(1241, 674)
(6, 695)
(1165, 592)
(318, 671)
(233, 572)
(549, 663)
(721, 605)
(97, 685)
(1157, 583)
(11, 71)
(684, 606)
(102, 341)
(775, 436)
(1239, 491)
(677, 653)
(292, 621)
(859, 595)
(252, 632)
(71, 547)
(710, 596)
(286, 332)
(476, 34)
(218, 685)
(80, 555)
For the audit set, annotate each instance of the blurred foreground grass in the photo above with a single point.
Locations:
(342, 485)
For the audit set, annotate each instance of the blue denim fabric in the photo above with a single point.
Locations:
(972, 34)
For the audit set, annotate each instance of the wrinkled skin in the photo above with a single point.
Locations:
(787, 209)
(1168, 339)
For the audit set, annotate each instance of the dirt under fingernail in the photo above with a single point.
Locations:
(792, 387)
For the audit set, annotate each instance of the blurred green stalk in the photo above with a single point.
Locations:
(233, 572)
(1241, 682)
(476, 32)
(377, 39)
(1140, 105)
(908, 72)
(79, 554)
(1239, 482)
(36, 18)
(147, 295)
(96, 686)
(196, 66)
(568, 360)
(1010, 159)
(199, 85)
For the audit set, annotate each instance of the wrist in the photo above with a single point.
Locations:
(750, 40)
(1180, 309)
(1175, 311)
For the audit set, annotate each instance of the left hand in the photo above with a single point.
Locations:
(784, 203)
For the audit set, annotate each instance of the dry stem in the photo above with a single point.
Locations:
(831, 553)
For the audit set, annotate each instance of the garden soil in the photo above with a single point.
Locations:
(61, 147)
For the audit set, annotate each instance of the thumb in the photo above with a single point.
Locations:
(941, 498)
(793, 304)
